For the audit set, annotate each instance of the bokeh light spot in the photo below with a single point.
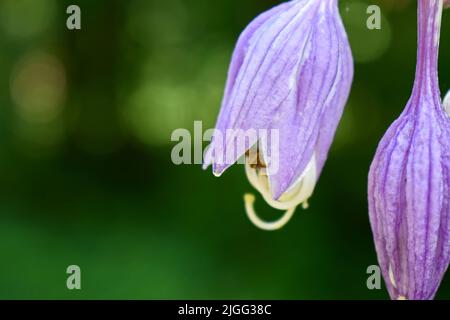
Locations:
(26, 18)
(38, 87)
(367, 45)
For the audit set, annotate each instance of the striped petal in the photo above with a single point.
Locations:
(409, 180)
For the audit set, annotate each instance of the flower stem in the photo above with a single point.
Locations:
(429, 28)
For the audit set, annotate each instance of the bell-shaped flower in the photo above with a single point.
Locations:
(290, 76)
(409, 179)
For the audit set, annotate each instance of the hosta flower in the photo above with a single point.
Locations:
(409, 180)
(291, 72)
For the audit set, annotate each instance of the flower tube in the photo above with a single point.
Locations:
(409, 179)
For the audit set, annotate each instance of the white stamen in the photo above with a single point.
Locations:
(297, 194)
(447, 103)
(391, 277)
(402, 298)
(249, 200)
(305, 205)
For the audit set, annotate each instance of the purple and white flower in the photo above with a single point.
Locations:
(291, 71)
(409, 179)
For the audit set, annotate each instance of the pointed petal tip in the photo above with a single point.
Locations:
(216, 170)
(219, 169)
(276, 189)
(277, 193)
(217, 174)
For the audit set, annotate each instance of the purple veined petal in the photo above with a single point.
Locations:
(237, 61)
(291, 73)
(242, 47)
(273, 47)
(318, 103)
(409, 180)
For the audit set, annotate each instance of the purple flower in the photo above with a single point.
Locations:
(291, 73)
(409, 179)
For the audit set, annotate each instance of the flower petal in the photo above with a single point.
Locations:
(291, 72)
(409, 180)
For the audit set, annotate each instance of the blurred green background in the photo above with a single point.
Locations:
(85, 171)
